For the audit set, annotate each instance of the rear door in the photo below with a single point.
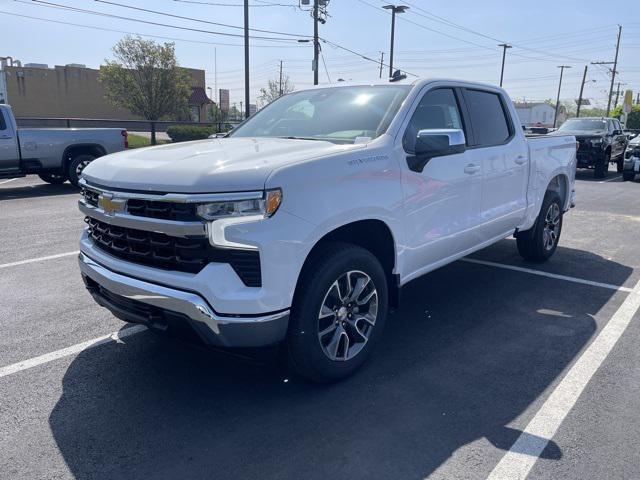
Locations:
(442, 203)
(504, 156)
(9, 158)
(619, 142)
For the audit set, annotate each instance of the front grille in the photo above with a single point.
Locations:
(90, 196)
(171, 253)
(184, 212)
(632, 152)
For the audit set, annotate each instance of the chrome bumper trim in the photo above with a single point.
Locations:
(176, 197)
(221, 330)
(148, 224)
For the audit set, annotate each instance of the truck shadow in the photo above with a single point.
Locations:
(468, 353)
(37, 190)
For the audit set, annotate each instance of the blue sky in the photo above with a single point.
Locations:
(434, 38)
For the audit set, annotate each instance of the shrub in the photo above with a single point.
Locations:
(185, 133)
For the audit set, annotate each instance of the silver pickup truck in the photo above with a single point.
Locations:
(54, 154)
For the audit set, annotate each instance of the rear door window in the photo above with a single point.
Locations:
(3, 124)
(489, 118)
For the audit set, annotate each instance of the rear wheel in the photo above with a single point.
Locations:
(338, 313)
(628, 176)
(53, 178)
(77, 165)
(539, 243)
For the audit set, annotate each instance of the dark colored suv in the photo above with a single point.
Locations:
(601, 141)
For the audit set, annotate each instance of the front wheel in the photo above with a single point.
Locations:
(77, 165)
(602, 166)
(53, 178)
(539, 243)
(338, 312)
(620, 164)
(628, 176)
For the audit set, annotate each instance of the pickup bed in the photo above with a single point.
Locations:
(303, 225)
(55, 154)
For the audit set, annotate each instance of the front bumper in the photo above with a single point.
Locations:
(164, 308)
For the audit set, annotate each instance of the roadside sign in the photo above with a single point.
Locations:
(628, 101)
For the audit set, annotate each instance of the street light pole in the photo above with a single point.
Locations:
(555, 117)
(246, 56)
(504, 55)
(394, 9)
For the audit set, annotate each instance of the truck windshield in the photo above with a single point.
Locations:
(338, 115)
(577, 124)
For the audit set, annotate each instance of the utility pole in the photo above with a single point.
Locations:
(316, 43)
(555, 117)
(280, 77)
(246, 57)
(504, 55)
(617, 96)
(394, 9)
(638, 98)
(381, 62)
(584, 79)
(615, 67)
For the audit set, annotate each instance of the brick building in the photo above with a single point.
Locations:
(74, 91)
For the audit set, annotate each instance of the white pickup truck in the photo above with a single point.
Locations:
(55, 154)
(304, 223)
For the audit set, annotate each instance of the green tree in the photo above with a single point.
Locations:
(145, 79)
(272, 91)
(633, 119)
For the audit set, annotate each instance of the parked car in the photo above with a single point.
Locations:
(632, 160)
(303, 225)
(55, 154)
(601, 141)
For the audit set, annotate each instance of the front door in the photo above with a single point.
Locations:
(442, 203)
(9, 158)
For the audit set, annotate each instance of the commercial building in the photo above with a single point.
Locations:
(75, 91)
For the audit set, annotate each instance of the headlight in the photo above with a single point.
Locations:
(596, 141)
(264, 206)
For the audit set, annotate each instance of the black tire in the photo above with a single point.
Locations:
(533, 244)
(602, 166)
(620, 164)
(53, 178)
(308, 355)
(628, 176)
(76, 165)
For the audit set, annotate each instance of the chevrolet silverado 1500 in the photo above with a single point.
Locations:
(304, 223)
(55, 154)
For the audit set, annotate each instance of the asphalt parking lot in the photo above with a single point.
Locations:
(492, 368)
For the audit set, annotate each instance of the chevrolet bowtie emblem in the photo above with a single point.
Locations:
(111, 205)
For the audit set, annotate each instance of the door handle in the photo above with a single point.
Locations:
(5, 137)
(471, 169)
(521, 160)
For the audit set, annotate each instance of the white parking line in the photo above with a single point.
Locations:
(39, 259)
(518, 461)
(611, 179)
(72, 350)
(547, 274)
(7, 181)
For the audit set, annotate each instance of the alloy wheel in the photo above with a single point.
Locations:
(347, 316)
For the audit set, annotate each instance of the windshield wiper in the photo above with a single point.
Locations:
(302, 138)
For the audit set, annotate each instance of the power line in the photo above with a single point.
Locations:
(120, 17)
(175, 39)
(263, 4)
(199, 20)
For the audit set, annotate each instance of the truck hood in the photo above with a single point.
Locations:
(205, 166)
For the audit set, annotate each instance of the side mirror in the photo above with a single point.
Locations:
(617, 132)
(435, 143)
